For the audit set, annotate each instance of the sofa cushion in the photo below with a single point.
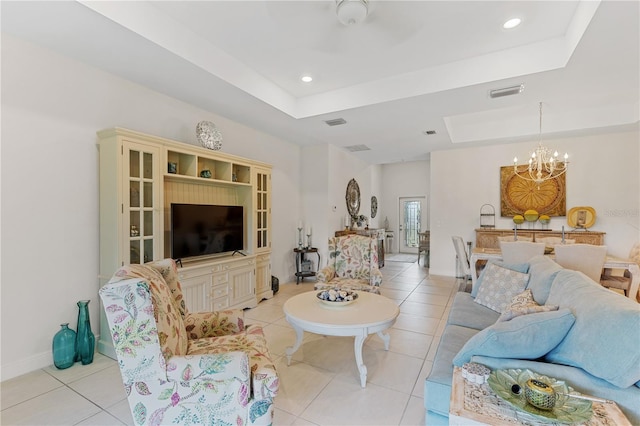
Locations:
(499, 286)
(542, 271)
(524, 337)
(467, 313)
(437, 388)
(520, 267)
(600, 341)
(523, 304)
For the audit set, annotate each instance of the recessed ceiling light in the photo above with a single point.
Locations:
(306, 78)
(511, 23)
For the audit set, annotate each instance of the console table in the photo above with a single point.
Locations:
(474, 404)
(300, 257)
(488, 237)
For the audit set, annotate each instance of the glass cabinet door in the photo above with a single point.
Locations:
(263, 210)
(140, 218)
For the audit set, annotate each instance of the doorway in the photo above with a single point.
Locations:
(411, 212)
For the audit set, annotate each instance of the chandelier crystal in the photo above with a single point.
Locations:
(543, 165)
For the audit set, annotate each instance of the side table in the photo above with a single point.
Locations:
(474, 404)
(300, 254)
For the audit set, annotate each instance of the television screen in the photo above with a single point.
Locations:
(200, 230)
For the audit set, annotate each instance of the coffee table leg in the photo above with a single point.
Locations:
(359, 341)
(385, 338)
(292, 349)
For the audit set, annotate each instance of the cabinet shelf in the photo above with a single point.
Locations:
(203, 181)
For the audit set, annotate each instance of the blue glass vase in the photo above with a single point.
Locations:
(64, 347)
(85, 340)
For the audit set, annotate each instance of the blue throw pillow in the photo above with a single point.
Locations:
(525, 337)
(518, 267)
(604, 339)
(543, 271)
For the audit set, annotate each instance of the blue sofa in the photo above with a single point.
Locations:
(592, 341)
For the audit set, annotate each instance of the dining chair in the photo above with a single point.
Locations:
(463, 258)
(520, 251)
(423, 246)
(621, 282)
(586, 258)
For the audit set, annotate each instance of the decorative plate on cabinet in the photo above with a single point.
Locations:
(352, 198)
(374, 206)
(208, 135)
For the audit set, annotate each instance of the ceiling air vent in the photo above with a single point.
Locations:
(356, 148)
(336, 122)
(506, 91)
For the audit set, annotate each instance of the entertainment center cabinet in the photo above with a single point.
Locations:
(141, 176)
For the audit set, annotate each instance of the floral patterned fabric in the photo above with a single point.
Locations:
(353, 264)
(524, 304)
(169, 271)
(224, 380)
(169, 322)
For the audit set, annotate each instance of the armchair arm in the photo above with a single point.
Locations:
(376, 277)
(213, 324)
(211, 367)
(327, 273)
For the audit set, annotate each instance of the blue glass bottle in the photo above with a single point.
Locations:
(64, 347)
(85, 340)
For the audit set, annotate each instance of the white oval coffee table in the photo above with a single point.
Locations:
(371, 313)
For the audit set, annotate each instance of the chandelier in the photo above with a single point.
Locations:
(543, 165)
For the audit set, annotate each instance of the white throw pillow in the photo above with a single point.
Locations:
(499, 287)
(523, 304)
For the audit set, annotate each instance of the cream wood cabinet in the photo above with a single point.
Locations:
(141, 176)
(263, 277)
(488, 238)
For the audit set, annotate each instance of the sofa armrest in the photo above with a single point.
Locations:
(327, 273)
(212, 367)
(214, 324)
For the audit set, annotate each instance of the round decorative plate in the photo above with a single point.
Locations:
(208, 135)
(374, 206)
(581, 217)
(567, 410)
(352, 198)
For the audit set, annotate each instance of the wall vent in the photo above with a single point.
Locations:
(356, 148)
(336, 122)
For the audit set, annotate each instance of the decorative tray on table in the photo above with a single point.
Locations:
(567, 410)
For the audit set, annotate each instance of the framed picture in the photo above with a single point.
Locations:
(518, 195)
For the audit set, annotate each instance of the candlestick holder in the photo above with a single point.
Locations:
(308, 240)
(299, 238)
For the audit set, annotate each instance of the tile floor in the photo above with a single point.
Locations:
(320, 387)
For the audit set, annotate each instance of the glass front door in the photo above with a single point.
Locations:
(410, 223)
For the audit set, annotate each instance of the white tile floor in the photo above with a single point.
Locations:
(320, 387)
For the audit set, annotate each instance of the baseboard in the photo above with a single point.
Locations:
(26, 365)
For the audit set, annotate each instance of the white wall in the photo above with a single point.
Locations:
(405, 179)
(52, 107)
(603, 174)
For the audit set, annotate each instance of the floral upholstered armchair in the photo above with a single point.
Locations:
(180, 367)
(352, 265)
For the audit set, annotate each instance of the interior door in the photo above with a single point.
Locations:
(410, 223)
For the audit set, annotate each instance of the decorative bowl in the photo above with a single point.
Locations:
(337, 297)
(539, 394)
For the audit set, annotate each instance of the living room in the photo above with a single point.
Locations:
(53, 105)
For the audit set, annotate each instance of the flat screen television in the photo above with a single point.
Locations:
(201, 230)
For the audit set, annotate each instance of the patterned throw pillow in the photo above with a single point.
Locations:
(523, 304)
(499, 286)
